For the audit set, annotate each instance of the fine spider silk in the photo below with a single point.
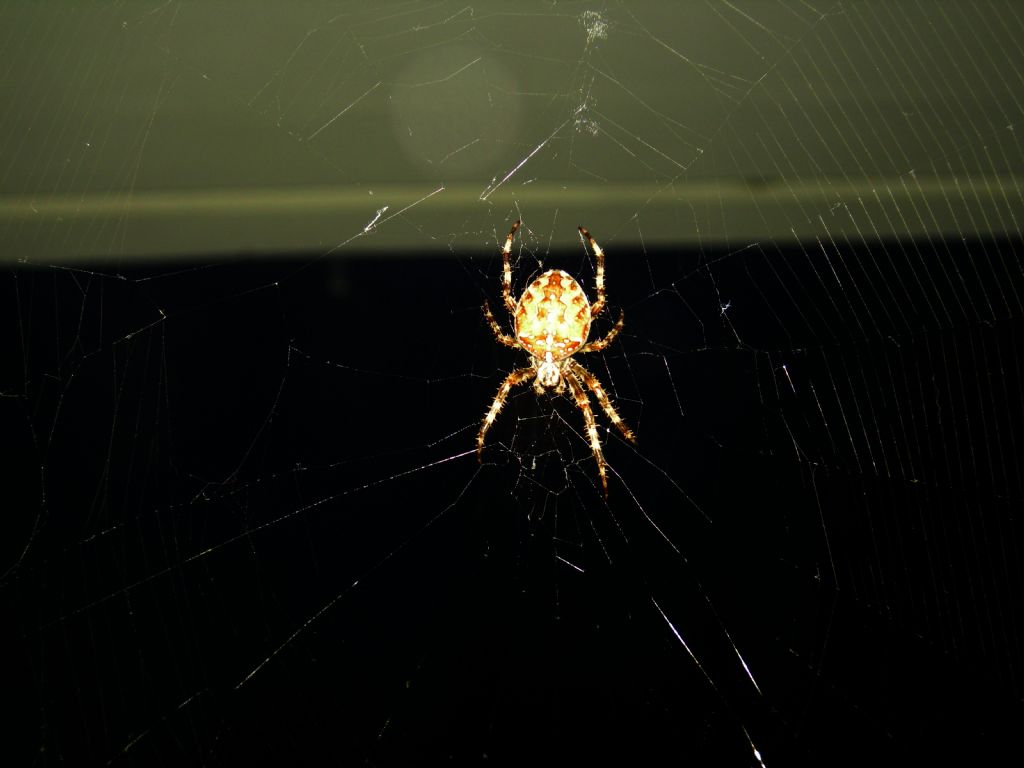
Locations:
(551, 322)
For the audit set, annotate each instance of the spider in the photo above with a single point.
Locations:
(551, 321)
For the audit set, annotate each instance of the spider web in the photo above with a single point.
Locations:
(246, 518)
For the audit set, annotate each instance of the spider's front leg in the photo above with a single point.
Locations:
(594, 385)
(583, 403)
(516, 377)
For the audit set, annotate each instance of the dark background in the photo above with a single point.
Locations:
(218, 464)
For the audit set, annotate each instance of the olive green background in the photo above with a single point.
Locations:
(158, 129)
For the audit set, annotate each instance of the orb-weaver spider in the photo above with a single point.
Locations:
(551, 322)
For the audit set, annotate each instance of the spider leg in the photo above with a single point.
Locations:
(594, 385)
(598, 344)
(508, 341)
(516, 377)
(506, 278)
(597, 306)
(583, 403)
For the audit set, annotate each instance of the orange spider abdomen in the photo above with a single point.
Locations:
(553, 316)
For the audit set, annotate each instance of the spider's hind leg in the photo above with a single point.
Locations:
(598, 305)
(506, 277)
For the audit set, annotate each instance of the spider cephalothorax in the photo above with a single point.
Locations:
(551, 321)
